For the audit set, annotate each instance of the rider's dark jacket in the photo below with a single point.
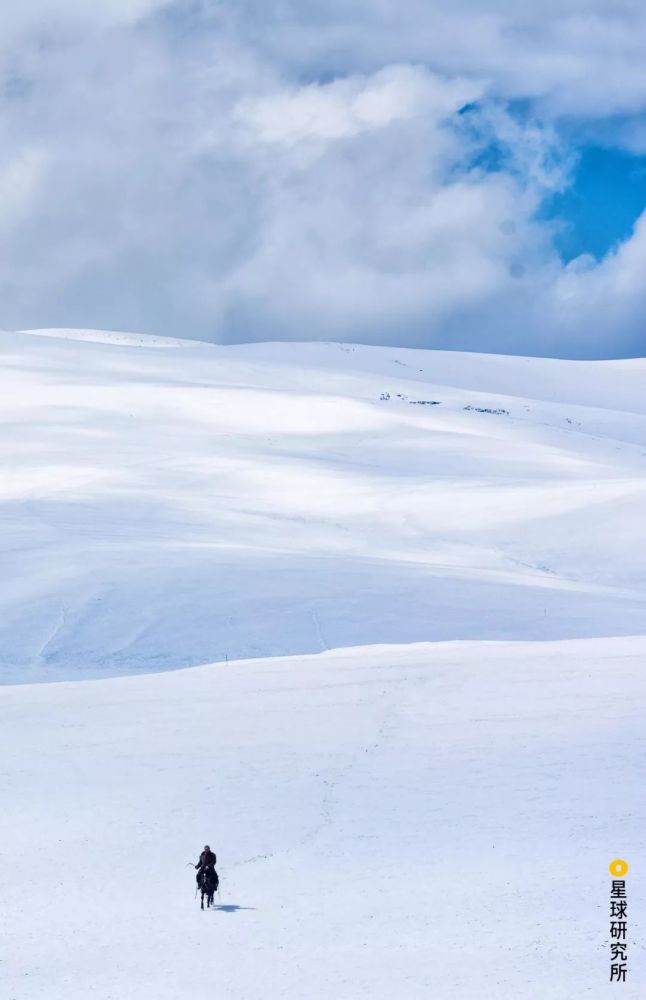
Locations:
(207, 860)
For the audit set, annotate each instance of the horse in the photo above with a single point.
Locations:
(207, 884)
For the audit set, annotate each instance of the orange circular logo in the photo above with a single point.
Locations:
(618, 867)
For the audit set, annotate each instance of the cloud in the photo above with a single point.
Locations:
(223, 172)
(594, 302)
(380, 229)
(356, 104)
(46, 18)
(578, 56)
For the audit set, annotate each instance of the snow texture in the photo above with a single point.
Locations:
(166, 504)
(427, 743)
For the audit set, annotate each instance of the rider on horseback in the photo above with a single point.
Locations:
(206, 864)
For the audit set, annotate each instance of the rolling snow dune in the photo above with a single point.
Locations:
(166, 508)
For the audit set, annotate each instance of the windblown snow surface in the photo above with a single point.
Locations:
(411, 591)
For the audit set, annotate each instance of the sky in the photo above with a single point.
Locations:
(468, 176)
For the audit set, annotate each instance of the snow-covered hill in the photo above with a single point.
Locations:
(390, 824)
(428, 815)
(166, 503)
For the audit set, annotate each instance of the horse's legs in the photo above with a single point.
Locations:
(202, 902)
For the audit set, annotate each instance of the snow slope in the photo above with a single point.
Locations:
(167, 503)
(428, 812)
(396, 822)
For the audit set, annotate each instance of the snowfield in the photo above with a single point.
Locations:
(411, 589)
(168, 504)
(433, 820)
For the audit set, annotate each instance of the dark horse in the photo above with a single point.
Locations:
(208, 886)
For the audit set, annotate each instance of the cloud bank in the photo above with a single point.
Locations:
(240, 171)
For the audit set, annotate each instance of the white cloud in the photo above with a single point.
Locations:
(355, 104)
(594, 302)
(578, 56)
(311, 177)
(21, 175)
(47, 16)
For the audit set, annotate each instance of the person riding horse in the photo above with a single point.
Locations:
(206, 864)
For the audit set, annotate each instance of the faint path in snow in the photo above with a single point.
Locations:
(49, 640)
(359, 755)
(317, 625)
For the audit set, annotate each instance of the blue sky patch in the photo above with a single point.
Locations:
(600, 208)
